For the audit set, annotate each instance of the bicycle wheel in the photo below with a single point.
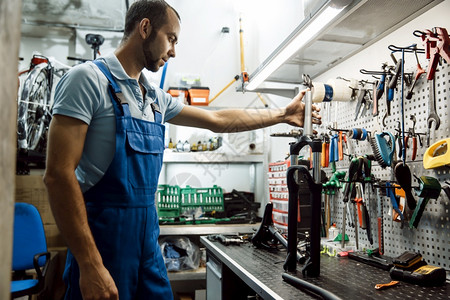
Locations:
(33, 109)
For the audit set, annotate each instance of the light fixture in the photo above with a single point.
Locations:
(305, 33)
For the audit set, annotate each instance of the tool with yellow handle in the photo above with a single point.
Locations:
(437, 155)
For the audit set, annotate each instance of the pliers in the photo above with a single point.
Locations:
(412, 133)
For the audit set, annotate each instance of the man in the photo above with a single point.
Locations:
(105, 148)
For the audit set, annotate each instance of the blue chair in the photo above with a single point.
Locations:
(29, 250)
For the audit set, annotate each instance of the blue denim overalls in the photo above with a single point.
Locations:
(121, 208)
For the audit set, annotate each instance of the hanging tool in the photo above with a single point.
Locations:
(395, 72)
(331, 187)
(437, 44)
(380, 220)
(352, 175)
(437, 155)
(419, 72)
(325, 151)
(334, 152)
(403, 175)
(378, 93)
(355, 225)
(401, 197)
(383, 149)
(390, 193)
(367, 164)
(398, 137)
(375, 99)
(340, 147)
(389, 97)
(367, 104)
(412, 134)
(447, 189)
(359, 203)
(433, 117)
(363, 213)
(429, 188)
(363, 94)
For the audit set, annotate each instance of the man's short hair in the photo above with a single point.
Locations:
(154, 10)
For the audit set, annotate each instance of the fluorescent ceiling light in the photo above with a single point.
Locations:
(303, 37)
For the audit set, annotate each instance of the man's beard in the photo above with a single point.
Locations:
(151, 63)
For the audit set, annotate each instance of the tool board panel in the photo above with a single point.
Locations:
(432, 236)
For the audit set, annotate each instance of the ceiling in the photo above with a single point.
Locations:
(80, 14)
(363, 23)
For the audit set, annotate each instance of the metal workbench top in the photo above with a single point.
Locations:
(261, 270)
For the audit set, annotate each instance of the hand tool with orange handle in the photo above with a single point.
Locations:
(382, 286)
(360, 206)
(391, 194)
(340, 147)
(325, 155)
(400, 195)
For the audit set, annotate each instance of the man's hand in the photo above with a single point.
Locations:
(97, 284)
(295, 112)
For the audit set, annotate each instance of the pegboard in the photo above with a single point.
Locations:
(432, 236)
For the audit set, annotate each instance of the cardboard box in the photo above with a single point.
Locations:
(31, 189)
(199, 96)
(53, 236)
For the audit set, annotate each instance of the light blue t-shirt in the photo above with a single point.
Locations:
(82, 93)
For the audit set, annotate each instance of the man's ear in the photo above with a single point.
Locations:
(145, 28)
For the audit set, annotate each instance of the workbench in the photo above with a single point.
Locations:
(236, 271)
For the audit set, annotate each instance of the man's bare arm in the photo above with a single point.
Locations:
(235, 120)
(65, 146)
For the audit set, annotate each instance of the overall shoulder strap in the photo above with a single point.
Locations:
(108, 75)
(113, 84)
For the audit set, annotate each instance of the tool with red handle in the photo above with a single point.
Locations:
(437, 44)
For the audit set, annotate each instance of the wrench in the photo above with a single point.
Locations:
(432, 115)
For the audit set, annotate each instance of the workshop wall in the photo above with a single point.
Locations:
(431, 237)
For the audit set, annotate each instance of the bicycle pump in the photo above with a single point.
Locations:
(312, 266)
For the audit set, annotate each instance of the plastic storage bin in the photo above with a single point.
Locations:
(168, 200)
(209, 199)
(199, 96)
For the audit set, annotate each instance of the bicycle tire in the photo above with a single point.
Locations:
(33, 109)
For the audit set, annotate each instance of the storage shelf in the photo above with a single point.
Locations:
(207, 229)
(210, 157)
(198, 274)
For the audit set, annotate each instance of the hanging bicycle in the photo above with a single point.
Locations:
(34, 111)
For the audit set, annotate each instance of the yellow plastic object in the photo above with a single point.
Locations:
(437, 155)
